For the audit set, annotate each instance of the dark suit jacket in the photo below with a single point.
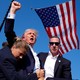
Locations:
(9, 69)
(62, 70)
(28, 62)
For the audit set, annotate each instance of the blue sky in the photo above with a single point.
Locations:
(27, 18)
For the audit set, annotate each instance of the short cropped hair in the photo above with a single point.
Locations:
(55, 37)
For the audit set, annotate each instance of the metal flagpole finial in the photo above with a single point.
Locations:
(5, 16)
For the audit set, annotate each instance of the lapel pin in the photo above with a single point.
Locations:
(59, 60)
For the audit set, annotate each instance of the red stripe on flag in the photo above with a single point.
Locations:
(61, 38)
(61, 51)
(69, 22)
(54, 30)
(64, 25)
(48, 31)
(74, 15)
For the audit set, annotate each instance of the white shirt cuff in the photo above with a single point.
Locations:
(11, 16)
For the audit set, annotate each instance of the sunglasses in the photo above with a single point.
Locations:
(56, 43)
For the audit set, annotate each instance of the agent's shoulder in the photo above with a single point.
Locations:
(65, 59)
(42, 53)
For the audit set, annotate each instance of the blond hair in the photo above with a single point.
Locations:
(21, 44)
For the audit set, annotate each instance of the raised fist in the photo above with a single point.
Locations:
(14, 7)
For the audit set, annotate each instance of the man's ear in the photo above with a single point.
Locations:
(48, 45)
(59, 45)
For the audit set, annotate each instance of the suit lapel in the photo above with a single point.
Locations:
(31, 61)
(57, 64)
(43, 60)
(42, 57)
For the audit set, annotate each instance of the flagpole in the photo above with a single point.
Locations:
(5, 16)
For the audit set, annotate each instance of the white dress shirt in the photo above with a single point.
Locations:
(49, 65)
(11, 16)
(37, 63)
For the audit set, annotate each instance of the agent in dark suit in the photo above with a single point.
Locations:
(30, 63)
(9, 69)
(56, 67)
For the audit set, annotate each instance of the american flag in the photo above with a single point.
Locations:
(60, 20)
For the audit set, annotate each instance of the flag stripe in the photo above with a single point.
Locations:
(54, 30)
(60, 31)
(76, 37)
(48, 31)
(64, 25)
(73, 37)
(69, 26)
(62, 49)
(62, 41)
(72, 24)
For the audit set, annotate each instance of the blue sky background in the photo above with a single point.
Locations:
(27, 18)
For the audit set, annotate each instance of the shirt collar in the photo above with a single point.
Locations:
(50, 54)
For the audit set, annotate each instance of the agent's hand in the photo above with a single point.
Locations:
(14, 7)
(40, 73)
(42, 78)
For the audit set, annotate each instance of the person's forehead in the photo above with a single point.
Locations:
(31, 31)
(54, 39)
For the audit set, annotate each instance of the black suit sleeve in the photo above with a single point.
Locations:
(8, 30)
(67, 70)
(13, 74)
